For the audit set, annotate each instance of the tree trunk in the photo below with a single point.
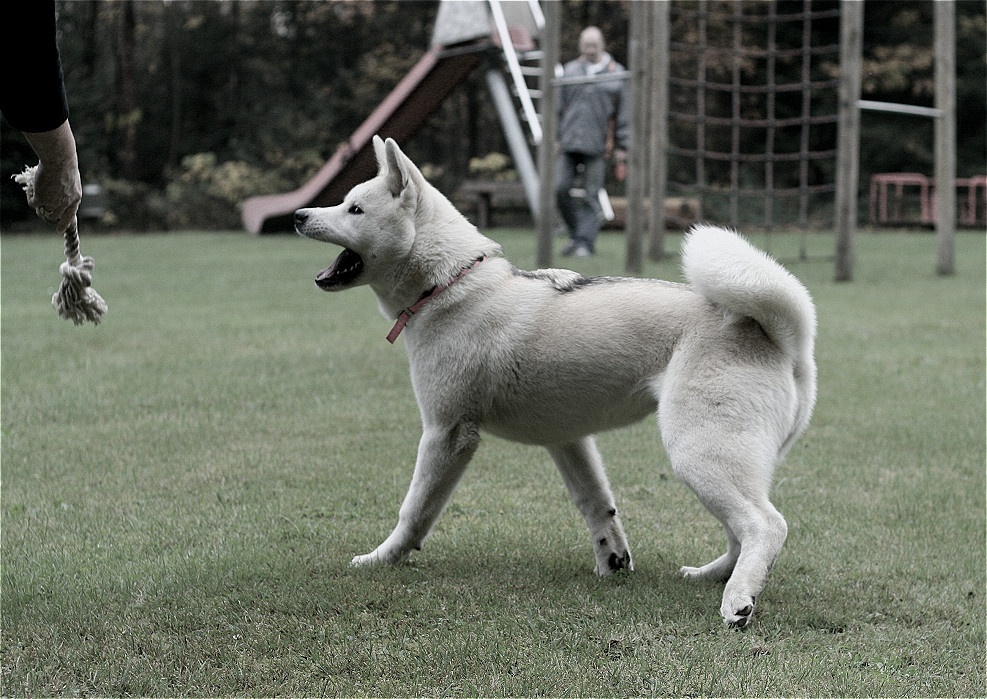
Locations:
(128, 111)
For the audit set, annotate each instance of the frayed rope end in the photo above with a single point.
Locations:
(26, 179)
(90, 306)
(75, 299)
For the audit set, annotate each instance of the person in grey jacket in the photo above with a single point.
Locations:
(592, 122)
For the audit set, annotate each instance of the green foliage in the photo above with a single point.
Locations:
(493, 166)
(133, 206)
(208, 194)
(184, 485)
(275, 87)
(903, 69)
(899, 66)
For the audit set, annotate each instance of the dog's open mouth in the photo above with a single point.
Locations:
(347, 267)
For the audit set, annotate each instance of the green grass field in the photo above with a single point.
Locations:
(184, 486)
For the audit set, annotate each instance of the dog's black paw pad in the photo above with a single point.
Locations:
(744, 616)
(619, 562)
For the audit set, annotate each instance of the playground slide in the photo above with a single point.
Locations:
(399, 116)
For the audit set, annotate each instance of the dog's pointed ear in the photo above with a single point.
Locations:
(398, 171)
(379, 152)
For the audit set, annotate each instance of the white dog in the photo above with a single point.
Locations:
(551, 357)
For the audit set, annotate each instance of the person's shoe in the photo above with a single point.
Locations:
(582, 251)
(570, 248)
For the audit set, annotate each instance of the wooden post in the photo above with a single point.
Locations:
(549, 123)
(848, 143)
(945, 135)
(659, 128)
(637, 165)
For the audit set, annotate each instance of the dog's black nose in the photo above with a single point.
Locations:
(301, 216)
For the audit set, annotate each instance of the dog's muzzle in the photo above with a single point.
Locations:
(341, 273)
(301, 219)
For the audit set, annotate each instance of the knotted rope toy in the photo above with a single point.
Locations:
(75, 299)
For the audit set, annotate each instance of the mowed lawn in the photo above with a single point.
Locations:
(184, 485)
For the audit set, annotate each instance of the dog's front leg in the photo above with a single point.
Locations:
(443, 454)
(582, 470)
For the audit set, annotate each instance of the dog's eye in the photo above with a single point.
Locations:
(355, 209)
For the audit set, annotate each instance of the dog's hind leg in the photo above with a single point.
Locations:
(755, 530)
(582, 471)
(720, 569)
(729, 468)
(443, 454)
(762, 532)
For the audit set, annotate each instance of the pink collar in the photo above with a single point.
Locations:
(405, 315)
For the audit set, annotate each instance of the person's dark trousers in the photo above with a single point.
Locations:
(581, 216)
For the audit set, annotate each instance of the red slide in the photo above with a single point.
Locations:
(399, 116)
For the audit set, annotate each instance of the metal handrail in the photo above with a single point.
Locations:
(514, 66)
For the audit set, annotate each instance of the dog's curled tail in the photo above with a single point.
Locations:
(746, 282)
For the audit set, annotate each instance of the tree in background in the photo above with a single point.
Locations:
(183, 108)
(899, 66)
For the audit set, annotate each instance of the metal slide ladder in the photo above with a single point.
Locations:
(522, 65)
(515, 104)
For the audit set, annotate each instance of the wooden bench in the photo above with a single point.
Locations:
(484, 194)
(680, 213)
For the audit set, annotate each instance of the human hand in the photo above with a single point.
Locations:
(57, 189)
(620, 164)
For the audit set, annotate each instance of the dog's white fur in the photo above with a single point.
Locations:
(550, 358)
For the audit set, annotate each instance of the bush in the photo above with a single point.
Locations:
(493, 166)
(205, 194)
(132, 206)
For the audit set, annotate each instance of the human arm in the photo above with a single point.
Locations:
(33, 101)
(57, 188)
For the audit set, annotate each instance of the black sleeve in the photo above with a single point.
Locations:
(32, 95)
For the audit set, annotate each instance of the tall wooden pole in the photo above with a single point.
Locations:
(659, 33)
(848, 142)
(549, 123)
(637, 164)
(945, 135)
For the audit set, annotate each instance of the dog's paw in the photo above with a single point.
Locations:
(365, 561)
(690, 573)
(610, 546)
(704, 573)
(624, 562)
(738, 613)
(385, 554)
(607, 564)
(719, 570)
